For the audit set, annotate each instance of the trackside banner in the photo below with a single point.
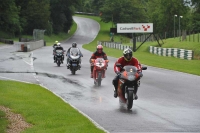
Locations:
(135, 28)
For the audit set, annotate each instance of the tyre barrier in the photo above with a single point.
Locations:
(172, 52)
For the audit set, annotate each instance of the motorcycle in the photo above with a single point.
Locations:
(100, 66)
(59, 55)
(74, 60)
(129, 80)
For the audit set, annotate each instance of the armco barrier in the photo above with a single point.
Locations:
(174, 52)
(29, 46)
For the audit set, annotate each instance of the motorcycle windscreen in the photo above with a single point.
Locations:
(130, 72)
(74, 53)
(58, 51)
(100, 62)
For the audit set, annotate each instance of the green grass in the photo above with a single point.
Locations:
(48, 113)
(41, 108)
(143, 55)
(3, 122)
(50, 40)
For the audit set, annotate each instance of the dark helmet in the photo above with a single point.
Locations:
(128, 53)
(99, 48)
(74, 45)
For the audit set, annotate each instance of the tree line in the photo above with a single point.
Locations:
(19, 17)
(162, 13)
(54, 16)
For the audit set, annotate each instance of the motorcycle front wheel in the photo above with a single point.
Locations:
(73, 71)
(58, 63)
(99, 79)
(129, 99)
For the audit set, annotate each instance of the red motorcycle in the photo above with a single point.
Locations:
(100, 66)
(128, 81)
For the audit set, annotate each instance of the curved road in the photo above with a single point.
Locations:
(169, 101)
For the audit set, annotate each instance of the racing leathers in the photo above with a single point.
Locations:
(134, 62)
(96, 55)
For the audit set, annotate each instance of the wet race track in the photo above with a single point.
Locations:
(168, 101)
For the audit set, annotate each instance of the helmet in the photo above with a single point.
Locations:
(74, 44)
(99, 48)
(56, 42)
(127, 54)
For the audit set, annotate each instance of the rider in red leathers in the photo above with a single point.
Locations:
(127, 59)
(98, 54)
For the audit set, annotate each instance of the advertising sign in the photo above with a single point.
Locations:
(135, 28)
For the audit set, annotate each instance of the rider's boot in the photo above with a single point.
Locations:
(91, 75)
(79, 66)
(62, 60)
(135, 91)
(68, 65)
(114, 82)
(54, 59)
(115, 93)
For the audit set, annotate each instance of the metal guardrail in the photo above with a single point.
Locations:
(6, 41)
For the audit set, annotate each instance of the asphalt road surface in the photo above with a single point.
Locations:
(169, 101)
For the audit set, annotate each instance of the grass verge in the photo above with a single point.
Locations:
(142, 54)
(3, 122)
(50, 40)
(41, 108)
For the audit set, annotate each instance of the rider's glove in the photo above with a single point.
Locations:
(118, 73)
(140, 74)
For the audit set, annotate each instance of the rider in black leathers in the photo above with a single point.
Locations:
(57, 47)
(74, 45)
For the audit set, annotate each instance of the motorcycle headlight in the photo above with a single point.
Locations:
(131, 77)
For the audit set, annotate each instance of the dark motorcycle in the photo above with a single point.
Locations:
(128, 81)
(74, 60)
(59, 55)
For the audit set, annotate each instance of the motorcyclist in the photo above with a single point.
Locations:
(126, 59)
(55, 44)
(74, 45)
(97, 54)
(58, 47)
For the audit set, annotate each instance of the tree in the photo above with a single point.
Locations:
(120, 11)
(161, 14)
(37, 15)
(196, 15)
(61, 14)
(9, 16)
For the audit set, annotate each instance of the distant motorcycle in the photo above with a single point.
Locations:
(74, 60)
(59, 55)
(100, 66)
(128, 81)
